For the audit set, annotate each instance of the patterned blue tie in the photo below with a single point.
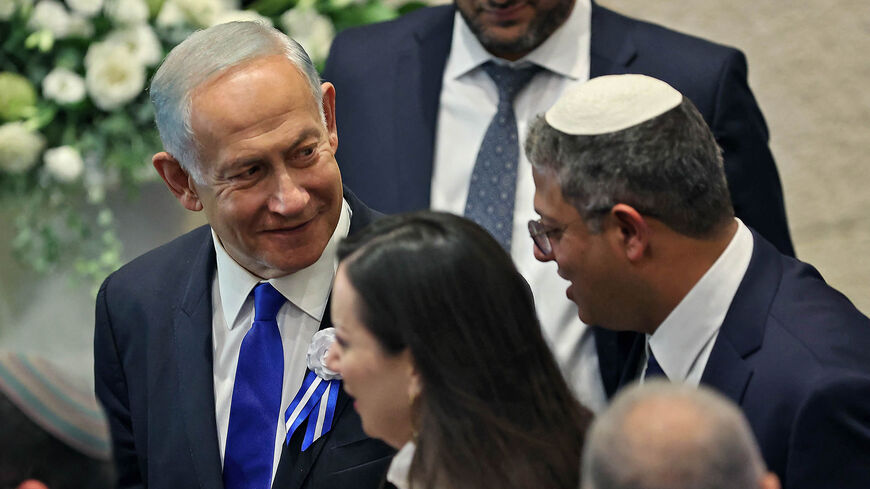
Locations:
(256, 403)
(493, 185)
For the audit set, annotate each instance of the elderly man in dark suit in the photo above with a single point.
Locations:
(635, 213)
(421, 114)
(201, 344)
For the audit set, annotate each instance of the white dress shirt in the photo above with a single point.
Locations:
(400, 466)
(683, 342)
(233, 314)
(468, 102)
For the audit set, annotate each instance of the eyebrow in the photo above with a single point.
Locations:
(246, 160)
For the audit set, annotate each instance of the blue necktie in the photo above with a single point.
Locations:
(256, 402)
(493, 185)
(653, 369)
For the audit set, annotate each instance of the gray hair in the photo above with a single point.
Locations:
(671, 436)
(203, 55)
(668, 167)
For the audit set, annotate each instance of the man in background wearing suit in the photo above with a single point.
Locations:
(200, 345)
(422, 126)
(635, 213)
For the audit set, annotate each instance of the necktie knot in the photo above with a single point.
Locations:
(509, 81)
(267, 302)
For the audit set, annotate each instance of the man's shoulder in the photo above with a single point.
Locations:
(398, 29)
(362, 215)
(811, 319)
(650, 36)
(164, 264)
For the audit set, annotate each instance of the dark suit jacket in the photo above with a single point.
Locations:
(153, 369)
(388, 83)
(794, 354)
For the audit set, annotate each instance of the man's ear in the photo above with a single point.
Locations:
(177, 179)
(328, 91)
(633, 231)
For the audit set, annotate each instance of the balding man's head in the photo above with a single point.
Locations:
(668, 436)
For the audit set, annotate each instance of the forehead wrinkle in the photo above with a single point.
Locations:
(236, 84)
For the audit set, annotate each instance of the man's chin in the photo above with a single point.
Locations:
(289, 262)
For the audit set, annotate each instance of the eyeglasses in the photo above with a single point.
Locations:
(541, 234)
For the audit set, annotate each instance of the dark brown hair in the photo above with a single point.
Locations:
(495, 410)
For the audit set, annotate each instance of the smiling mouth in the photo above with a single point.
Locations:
(504, 11)
(290, 229)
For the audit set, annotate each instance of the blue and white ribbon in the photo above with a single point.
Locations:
(315, 401)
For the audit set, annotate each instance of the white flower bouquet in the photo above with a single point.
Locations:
(75, 120)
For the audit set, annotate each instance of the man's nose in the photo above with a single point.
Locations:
(288, 197)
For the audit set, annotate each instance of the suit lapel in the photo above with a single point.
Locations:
(193, 352)
(742, 331)
(418, 79)
(612, 48)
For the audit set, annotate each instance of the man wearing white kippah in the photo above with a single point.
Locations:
(636, 215)
(419, 102)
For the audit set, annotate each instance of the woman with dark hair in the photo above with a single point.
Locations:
(439, 344)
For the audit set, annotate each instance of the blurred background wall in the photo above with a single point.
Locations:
(808, 67)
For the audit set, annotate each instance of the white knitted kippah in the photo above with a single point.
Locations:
(611, 103)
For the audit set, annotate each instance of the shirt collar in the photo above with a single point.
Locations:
(565, 52)
(680, 338)
(308, 289)
(400, 467)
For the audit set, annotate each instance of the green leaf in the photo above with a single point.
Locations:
(272, 8)
(43, 115)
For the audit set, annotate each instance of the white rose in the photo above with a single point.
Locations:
(241, 15)
(112, 76)
(64, 163)
(50, 15)
(310, 29)
(318, 349)
(170, 15)
(19, 147)
(198, 13)
(63, 86)
(80, 26)
(88, 8)
(141, 41)
(127, 12)
(7, 8)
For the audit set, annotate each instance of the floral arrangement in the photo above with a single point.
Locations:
(76, 123)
